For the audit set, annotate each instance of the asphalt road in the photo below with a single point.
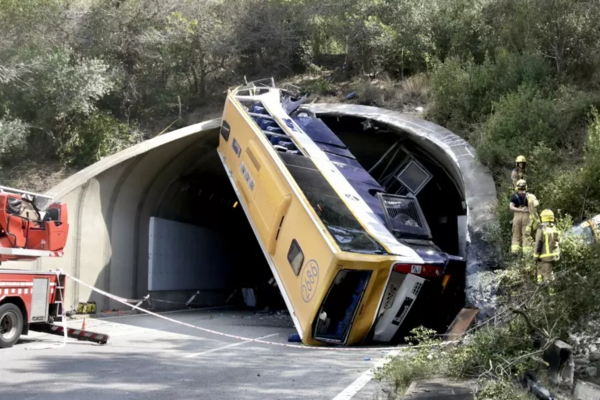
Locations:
(148, 358)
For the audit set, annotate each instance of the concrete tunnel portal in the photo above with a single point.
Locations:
(159, 218)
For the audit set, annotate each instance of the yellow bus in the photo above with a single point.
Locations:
(328, 230)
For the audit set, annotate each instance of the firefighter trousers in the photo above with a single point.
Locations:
(521, 234)
(544, 271)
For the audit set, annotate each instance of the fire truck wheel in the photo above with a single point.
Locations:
(11, 325)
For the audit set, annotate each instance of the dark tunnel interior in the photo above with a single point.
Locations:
(203, 197)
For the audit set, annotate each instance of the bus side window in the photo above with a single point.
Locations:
(295, 257)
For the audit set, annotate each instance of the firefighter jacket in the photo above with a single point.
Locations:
(546, 243)
(530, 202)
(516, 175)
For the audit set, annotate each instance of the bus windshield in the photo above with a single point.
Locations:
(343, 226)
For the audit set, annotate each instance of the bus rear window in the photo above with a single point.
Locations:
(340, 305)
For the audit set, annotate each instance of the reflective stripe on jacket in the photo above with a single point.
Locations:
(546, 243)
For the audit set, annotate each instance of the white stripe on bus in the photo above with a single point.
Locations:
(331, 173)
(288, 177)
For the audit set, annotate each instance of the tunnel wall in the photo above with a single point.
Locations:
(111, 202)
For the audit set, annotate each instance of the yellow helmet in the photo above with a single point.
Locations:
(521, 185)
(521, 159)
(547, 216)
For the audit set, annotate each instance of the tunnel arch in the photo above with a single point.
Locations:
(111, 201)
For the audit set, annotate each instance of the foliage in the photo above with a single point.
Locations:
(372, 93)
(464, 92)
(95, 138)
(500, 390)
(145, 61)
(66, 84)
(423, 362)
(319, 86)
(13, 138)
(575, 191)
(512, 77)
(521, 120)
(414, 89)
(529, 319)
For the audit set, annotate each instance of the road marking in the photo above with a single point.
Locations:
(226, 347)
(362, 380)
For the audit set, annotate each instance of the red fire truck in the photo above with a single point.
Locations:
(32, 226)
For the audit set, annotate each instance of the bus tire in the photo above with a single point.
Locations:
(11, 325)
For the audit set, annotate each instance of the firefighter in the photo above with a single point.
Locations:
(524, 207)
(547, 251)
(519, 172)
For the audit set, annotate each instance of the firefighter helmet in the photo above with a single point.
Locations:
(547, 216)
(521, 184)
(521, 159)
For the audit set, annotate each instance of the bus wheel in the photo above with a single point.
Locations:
(11, 324)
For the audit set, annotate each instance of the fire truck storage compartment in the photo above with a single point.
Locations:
(39, 300)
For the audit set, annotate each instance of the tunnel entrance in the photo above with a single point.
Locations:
(202, 197)
(178, 177)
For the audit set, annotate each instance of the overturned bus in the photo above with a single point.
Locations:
(353, 263)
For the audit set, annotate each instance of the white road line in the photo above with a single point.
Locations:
(362, 380)
(226, 347)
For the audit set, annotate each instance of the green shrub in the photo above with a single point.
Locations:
(65, 84)
(533, 122)
(575, 190)
(529, 317)
(13, 139)
(521, 120)
(319, 87)
(413, 90)
(424, 362)
(372, 93)
(96, 137)
(464, 92)
(452, 96)
(501, 390)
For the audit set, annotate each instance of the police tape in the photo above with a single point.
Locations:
(245, 339)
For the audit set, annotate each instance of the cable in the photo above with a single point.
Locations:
(345, 349)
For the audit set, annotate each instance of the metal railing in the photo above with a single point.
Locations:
(40, 201)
